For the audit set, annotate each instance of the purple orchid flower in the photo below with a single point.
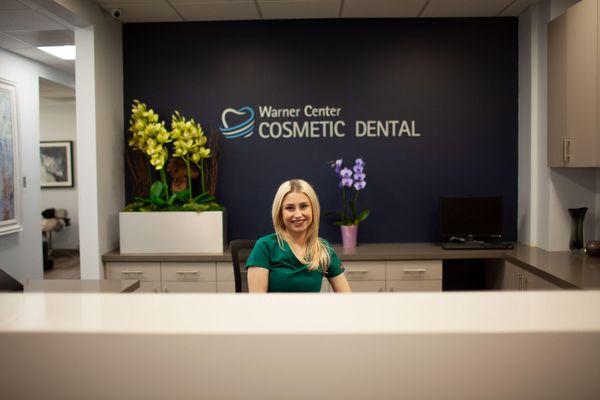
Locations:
(337, 165)
(360, 185)
(347, 182)
(359, 176)
(359, 162)
(345, 173)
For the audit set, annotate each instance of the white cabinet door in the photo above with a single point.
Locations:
(189, 287)
(149, 287)
(225, 287)
(430, 285)
(367, 286)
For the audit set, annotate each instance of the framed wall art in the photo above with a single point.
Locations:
(10, 204)
(56, 162)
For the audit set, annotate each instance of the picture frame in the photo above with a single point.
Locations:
(10, 188)
(56, 164)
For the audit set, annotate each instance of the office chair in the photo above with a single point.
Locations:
(240, 250)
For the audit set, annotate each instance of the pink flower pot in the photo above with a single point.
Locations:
(349, 235)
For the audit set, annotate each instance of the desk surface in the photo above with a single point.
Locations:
(566, 269)
(81, 286)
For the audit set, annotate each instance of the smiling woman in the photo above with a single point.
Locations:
(294, 258)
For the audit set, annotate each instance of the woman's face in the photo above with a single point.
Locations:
(296, 212)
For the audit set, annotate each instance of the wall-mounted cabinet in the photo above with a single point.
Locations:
(573, 82)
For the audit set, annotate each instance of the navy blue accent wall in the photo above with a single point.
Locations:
(456, 78)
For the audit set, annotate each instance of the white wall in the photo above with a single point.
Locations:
(57, 122)
(100, 137)
(21, 252)
(545, 193)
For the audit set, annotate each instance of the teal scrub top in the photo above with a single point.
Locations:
(286, 273)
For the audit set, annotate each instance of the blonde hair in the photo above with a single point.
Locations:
(316, 252)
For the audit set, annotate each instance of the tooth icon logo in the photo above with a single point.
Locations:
(243, 129)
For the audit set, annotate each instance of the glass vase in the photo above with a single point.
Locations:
(577, 216)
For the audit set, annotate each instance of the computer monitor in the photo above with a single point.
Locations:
(476, 217)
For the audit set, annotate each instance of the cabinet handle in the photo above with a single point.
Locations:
(155, 290)
(130, 274)
(357, 271)
(187, 275)
(166, 290)
(415, 271)
(566, 149)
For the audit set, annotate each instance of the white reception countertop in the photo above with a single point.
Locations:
(360, 313)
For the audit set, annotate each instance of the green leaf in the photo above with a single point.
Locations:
(156, 190)
(363, 215)
(203, 198)
(172, 199)
(183, 195)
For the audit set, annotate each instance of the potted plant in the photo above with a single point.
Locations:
(171, 221)
(351, 182)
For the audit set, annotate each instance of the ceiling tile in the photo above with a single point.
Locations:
(382, 8)
(465, 8)
(161, 12)
(12, 5)
(290, 9)
(26, 20)
(518, 7)
(211, 11)
(45, 38)
(10, 43)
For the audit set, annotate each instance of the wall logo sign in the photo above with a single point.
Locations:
(308, 122)
(244, 127)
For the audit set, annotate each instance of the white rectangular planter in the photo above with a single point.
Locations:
(186, 232)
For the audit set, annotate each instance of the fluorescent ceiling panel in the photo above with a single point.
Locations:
(62, 52)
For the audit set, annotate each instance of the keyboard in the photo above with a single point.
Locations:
(477, 245)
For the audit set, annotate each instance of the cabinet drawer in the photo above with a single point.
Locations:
(188, 271)
(367, 286)
(143, 271)
(149, 287)
(365, 270)
(415, 286)
(189, 287)
(225, 271)
(414, 270)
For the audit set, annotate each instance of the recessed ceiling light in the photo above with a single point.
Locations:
(64, 52)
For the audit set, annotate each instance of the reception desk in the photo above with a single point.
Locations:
(499, 345)
(371, 267)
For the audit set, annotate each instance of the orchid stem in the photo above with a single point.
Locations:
(189, 176)
(202, 175)
(163, 177)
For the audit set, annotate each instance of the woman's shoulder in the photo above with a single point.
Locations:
(269, 239)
